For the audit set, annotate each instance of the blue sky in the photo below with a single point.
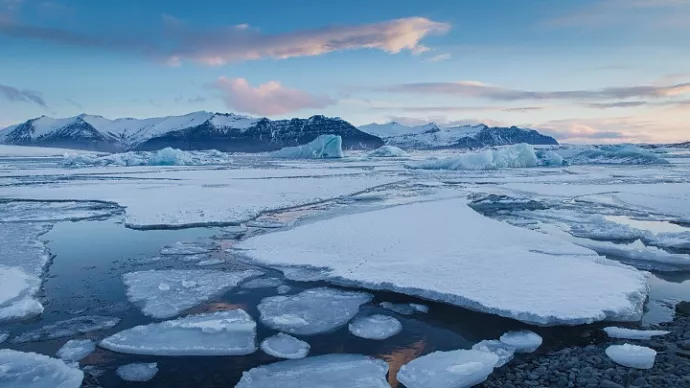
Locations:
(584, 71)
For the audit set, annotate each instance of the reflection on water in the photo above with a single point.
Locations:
(400, 357)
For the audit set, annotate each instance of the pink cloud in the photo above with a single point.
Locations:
(270, 98)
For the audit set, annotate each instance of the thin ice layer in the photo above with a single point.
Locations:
(54, 211)
(31, 370)
(625, 333)
(75, 350)
(283, 345)
(315, 311)
(183, 248)
(68, 328)
(329, 371)
(164, 294)
(224, 333)
(503, 351)
(138, 372)
(262, 283)
(632, 356)
(456, 369)
(445, 251)
(376, 327)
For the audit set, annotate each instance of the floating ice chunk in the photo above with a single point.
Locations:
(376, 327)
(186, 248)
(284, 289)
(324, 146)
(420, 307)
(314, 311)
(68, 328)
(283, 345)
(208, 262)
(456, 369)
(490, 272)
(405, 308)
(24, 308)
(4, 336)
(138, 371)
(262, 283)
(512, 156)
(223, 333)
(550, 158)
(524, 341)
(164, 294)
(617, 154)
(620, 332)
(267, 224)
(329, 371)
(503, 351)
(75, 350)
(632, 356)
(388, 151)
(679, 240)
(31, 370)
(605, 231)
(640, 256)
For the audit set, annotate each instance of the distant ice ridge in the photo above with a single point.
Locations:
(513, 156)
(224, 333)
(680, 240)
(621, 332)
(616, 154)
(283, 345)
(165, 157)
(31, 370)
(387, 152)
(632, 356)
(167, 293)
(511, 271)
(457, 369)
(138, 372)
(323, 147)
(332, 370)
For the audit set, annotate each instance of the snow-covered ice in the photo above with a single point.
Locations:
(492, 268)
(632, 356)
(387, 151)
(503, 351)
(513, 156)
(32, 370)
(454, 369)
(680, 240)
(166, 293)
(262, 283)
(324, 146)
(313, 311)
(75, 350)
(328, 371)
(223, 333)
(624, 333)
(283, 345)
(68, 328)
(138, 372)
(376, 327)
(524, 341)
(639, 255)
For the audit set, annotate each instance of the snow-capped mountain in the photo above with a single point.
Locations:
(430, 136)
(194, 131)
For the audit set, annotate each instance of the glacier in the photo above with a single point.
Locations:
(75, 350)
(138, 372)
(224, 333)
(456, 369)
(491, 270)
(376, 327)
(632, 356)
(328, 371)
(323, 147)
(283, 345)
(32, 370)
(166, 293)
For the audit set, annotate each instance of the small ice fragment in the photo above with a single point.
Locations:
(222, 333)
(262, 283)
(164, 287)
(388, 152)
(283, 345)
(632, 356)
(504, 352)
(331, 370)
(620, 332)
(68, 328)
(186, 248)
(313, 311)
(4, 336)
(376, 327)
(31, 370)
(400, 308)
(137, 371)
(420, 307)
(283, 289)
(456, 369)
(524, 341)
(24, 308)
(75, 350)
(209, 262)
(267, 224)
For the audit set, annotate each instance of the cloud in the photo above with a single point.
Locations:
(270, 98)
(481, 90)
(439, 58)
(639, 13)
(13, 94)
(178, 42)
(604, 130)
(635, 104)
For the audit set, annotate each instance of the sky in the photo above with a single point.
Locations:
(587, 71)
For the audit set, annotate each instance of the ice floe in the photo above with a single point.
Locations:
(639, 255)
(283, 345)
(376, 327)
(75, 350)
(387, 151)
(164, 157)
(632, 356)
(223, 333)
(324, 146)
(503, 351)
(523, 341)
(166, 293)
(328, 371)
(31, 370)
(495, 268)
(262, 283)
(456, 369)
(624, 333)
(680, 240)
(138, 372)
(284, 289)
(313, 311)
(68, 328)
